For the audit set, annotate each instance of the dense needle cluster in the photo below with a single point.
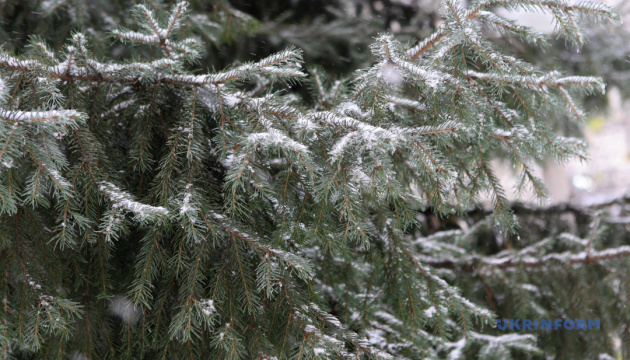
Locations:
(149, 211)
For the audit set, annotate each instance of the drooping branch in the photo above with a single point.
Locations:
(473, 263)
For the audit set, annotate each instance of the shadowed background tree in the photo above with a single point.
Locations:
(316, 198)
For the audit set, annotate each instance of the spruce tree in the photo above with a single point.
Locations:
(152, 210)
